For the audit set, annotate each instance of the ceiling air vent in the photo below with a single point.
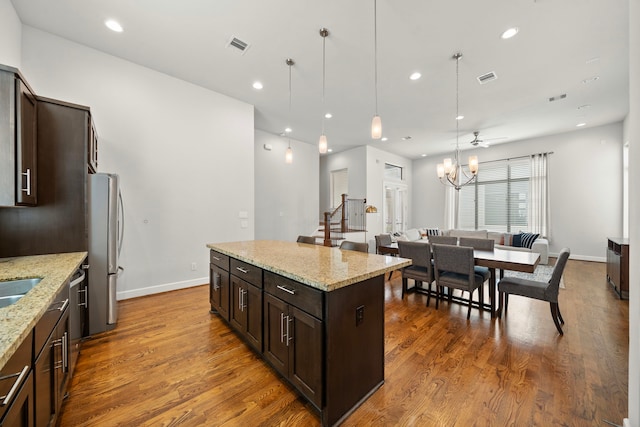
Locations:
(486, 78)
(238, 44)
(558, 97)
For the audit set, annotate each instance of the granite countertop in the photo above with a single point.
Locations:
(318, 266)
(17, 320)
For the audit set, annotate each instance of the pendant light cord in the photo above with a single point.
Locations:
(324, 39)
(375, 51)
(457, 56)
(290, 64)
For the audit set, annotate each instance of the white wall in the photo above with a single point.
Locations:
(10, 35)
(633, 136)
(185, 156)
(286, 195)
(355, 160)
(585, 187)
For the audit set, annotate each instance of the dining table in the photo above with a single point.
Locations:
(495, 260)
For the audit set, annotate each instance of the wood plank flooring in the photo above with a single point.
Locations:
(170, 362)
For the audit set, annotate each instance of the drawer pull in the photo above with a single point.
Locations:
(27, 174)
(215, 257)
(287, 290)
(242, 270)
(15, 385)
(64, 305)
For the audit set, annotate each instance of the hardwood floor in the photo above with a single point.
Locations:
(170, 362)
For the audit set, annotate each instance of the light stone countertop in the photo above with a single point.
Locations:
(18, 319)
(318, 266)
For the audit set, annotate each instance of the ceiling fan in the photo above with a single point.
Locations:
(482, 142)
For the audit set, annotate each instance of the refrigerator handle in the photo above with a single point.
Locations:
(120, 222)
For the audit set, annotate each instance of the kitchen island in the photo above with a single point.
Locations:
(314, 313)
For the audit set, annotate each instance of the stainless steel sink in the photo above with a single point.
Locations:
(12, 290)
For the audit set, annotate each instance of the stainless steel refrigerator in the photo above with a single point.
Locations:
(106, 230)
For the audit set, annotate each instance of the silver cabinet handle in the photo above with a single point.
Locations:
(78, 280)
(65, 354)
(64, 305)
(28, 184)
(84, 298)
(242, 270)
(15, 385)
(240, 298)
(289, 320)
(244, 303)
(281, 327)
(215, 257)
(290, 291)
(216, 281)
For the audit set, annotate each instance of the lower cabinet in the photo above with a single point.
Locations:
(20, 413)
(51, 366)
(16, 387)
(293, 346)
(246, 311)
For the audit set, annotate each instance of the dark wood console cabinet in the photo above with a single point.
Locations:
(618, 265)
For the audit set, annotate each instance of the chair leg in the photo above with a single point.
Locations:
(481, 297)
(390, 273)
(404, 286)
(469, 310)
(500, 303)
(554, 314)
(559, 314)
(506, 303)
(429, 294)
(437, 295)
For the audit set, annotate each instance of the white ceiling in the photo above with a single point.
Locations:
(561, 43)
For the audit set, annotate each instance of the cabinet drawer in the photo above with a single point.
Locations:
(247, 272)
(14, 370)
(221, 260)
(297, 294)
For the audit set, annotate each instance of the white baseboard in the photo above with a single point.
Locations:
(165, 287)
(626, 423)
(583, 257)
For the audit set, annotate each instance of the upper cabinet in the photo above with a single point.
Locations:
(92, 153)
(18, 155)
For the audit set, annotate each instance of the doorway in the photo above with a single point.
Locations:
(339, 186)
(395, 208)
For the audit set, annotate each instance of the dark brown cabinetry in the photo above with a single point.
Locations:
(92, 148)
(18, 141)
(51, 344)
(59, 222)
(219, 286)
(246, 311)
(16, 387)
(292, 337)
(618, 265)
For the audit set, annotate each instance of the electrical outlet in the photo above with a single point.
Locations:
(359, 315)
(194, 266)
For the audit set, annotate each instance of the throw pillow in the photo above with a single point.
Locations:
(433, 232)
(527, 239)
(516, 240)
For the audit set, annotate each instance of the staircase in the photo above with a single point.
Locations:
(349, 217)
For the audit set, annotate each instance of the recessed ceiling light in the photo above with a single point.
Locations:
(579, 125)
(423, 155)
(287, 130)
(460, 117)
(415, 76)
(509, 33)
(582, 107)
(384, 138)
(329, 150)
(328, 116)
(591, 80)
(113, 25)
(257, 85)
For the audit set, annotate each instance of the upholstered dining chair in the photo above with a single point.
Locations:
(443, 240)
(354, 246)
(453, 268)
(544, 291)
(421, 269)
(383, 240)
(482, 245)
(306, 239)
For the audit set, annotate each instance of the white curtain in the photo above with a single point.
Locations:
(539, 209)
(450, 208)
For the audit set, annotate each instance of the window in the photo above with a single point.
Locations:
(392, 172)
(499, 198)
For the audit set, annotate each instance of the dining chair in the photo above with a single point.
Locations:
(421, 269)
(544, 291)
(482, 245)
(384, 240)
(443, 240)
(453, 268)
(354, 246)
(306, 239)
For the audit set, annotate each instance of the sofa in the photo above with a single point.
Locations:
(502, 240)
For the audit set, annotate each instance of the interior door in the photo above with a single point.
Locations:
(395, 207)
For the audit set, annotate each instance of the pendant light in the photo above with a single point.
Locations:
(288, 157)
(376, 123)
(322, 143)
(451, 172)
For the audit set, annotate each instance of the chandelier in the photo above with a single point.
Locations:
(451, 172)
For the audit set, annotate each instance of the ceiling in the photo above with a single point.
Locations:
(573, 47)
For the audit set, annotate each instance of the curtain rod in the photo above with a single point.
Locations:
(516, 158)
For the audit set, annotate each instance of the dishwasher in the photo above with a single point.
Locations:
(77, 313)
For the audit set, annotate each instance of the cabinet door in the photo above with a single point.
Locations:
(237, 311)
(276, 348)
(45, 384)
(219, 291)
(305, 354)
(20, 413)
(26, 155)
(61, 359)
(254, 316)
(92, 148)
